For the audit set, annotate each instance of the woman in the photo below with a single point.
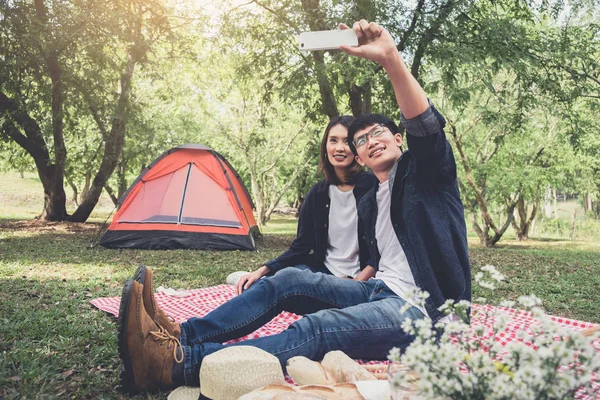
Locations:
(329, 238)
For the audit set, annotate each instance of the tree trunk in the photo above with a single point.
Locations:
(524, 223)
(54, 192)
(32, 140)
(490, 241)
(122, 176)
(55, 198)
(572, 234)
(430, 34)
(87, 180)
(316, 22)
(479, 191)
(74, 188)
(111, 194)
(482, 233)
(115, 141)
(360, 99)
(548, 203)
(257, 195)
(555, 197)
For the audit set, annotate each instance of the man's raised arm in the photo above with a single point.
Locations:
(424, 124)
(376, 44)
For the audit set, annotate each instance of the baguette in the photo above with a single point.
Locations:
(325, 392)
(306, 372)
(344, 369)
(348, 391)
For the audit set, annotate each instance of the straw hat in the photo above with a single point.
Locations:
(234, 371)
(185, 393)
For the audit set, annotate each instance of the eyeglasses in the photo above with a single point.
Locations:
(373, 133)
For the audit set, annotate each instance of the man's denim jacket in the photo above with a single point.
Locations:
(427, 213)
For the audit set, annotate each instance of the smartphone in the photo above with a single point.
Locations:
(326, 40)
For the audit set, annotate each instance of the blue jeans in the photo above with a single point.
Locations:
(299, 266)
(360, 318)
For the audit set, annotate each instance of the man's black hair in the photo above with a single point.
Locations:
(365, 121)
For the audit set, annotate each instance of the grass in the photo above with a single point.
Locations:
(563, 274)
(54, 344)
(23, 198)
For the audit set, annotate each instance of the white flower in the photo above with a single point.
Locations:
(478, 277)
(487, 285)
(447, 307)
(404, 309)
(464, 303)
(493, 272)
(507, 303)
(529, 301)
(469, 363)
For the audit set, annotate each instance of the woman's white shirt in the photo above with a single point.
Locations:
(342, 255)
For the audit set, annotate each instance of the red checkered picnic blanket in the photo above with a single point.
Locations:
(183, 305)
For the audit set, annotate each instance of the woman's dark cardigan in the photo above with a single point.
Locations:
(310, 246)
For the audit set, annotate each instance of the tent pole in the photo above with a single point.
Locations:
(187, 179)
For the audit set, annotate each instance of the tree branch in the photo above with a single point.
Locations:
(536, 156)
(33, 141)
(429, 35)
(283, 18)
(496, 148)
(285, 187)
(478, 194)
(94, 110)
(12, 132)
(274, 163)
(111, 193)
(413, 24)
(32, 130)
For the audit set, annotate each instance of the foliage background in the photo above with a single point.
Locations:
(518, 82)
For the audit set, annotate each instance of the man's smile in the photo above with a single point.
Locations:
(376, 151)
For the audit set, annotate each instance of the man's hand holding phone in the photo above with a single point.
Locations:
(374, 42)
(365, 39)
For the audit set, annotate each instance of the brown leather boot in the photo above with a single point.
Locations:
(148, 351)
(144, 276)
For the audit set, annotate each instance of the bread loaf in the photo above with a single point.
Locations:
(297, 396)
(306, 372)
(344, 369)
(279, 392)
(340, 391)
(348, 391)
(325, 392)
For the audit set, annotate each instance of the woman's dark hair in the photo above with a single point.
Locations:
(325, 166)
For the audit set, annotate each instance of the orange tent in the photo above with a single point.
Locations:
(190, 197)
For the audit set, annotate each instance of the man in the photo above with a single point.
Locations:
(417, 237)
